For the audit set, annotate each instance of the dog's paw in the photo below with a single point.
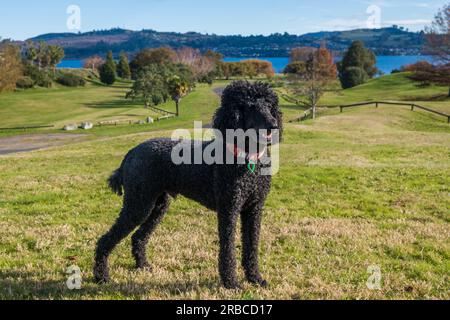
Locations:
(259, 282)
(101, 275)
(147, 267)
(232, 285)
(101, 279)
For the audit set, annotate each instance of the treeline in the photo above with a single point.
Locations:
(247, 69)
(33, 64)
(162, 74)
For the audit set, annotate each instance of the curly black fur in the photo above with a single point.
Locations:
(148, 178)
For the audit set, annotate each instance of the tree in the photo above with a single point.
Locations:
(357, 56)
(43, 58)
(178, 88)
(301, 54)
(255, 67)
(248, 68)
(352, 77)
(31, 53)
(43, 55)
(437, 44)
(318, 73)
(295, 67)
(425, 73)
(10, 67)
(107, 74)
(147, 57)
(110, 61)
(157, 83)
(108, 70)
(123, 68)
(93, 62)
(150, 86)
(201, 66)
(438, 35)
(55, 55)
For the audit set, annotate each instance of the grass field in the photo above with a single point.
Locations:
(363, 188)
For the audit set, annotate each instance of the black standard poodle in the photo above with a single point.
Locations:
(148, 178)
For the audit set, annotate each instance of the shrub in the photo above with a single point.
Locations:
(41, 78)
(71, 80)
(295, 67)
(25, 83)
(417, 67)
(352, 77)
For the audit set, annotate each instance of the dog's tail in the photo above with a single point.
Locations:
(116, 182)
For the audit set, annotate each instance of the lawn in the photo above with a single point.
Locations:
(59, 106)
(369, 187)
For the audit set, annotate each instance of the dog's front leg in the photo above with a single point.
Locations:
(251, 227)
(227, 258)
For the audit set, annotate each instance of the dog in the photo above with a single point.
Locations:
(148, 179)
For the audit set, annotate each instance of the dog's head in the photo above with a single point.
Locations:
(248, 106)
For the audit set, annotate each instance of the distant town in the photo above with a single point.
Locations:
(394, 40)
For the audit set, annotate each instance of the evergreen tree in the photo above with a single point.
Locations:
(108, 70)
(357, 56)
(110, 61)
(123, 68)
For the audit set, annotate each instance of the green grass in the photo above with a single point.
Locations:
(59, 106)
(366, 187)
(394, 87)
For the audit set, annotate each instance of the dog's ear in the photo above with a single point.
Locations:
(277, 114)
(274, 102)
(230, 115)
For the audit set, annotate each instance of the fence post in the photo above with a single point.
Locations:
(342, 109)
(412, 107)
(448, 119)
(376, 105)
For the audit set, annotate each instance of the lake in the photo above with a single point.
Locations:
(385, 63)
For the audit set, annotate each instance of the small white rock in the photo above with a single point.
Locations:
(87, 126)
(70, 127)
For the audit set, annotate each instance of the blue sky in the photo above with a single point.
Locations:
(24, 19)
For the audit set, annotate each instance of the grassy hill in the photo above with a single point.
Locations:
(393, 87)
(363, 188)
(60, 106)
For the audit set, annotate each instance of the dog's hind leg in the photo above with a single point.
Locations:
(141, 237)
(134, 213)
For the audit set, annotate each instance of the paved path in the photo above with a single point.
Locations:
(30, 142)
(219, 91)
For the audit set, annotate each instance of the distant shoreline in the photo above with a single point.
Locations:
(386, 63)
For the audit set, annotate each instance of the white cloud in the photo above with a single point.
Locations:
(345, 24)
(412, 22)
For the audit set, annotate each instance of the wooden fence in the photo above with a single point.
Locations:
(28, 127)
(411, 105)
